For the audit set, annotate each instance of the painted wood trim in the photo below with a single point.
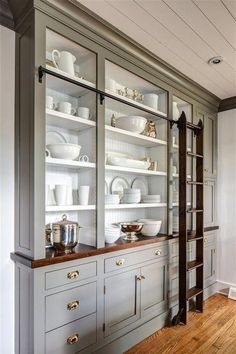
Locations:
(6, 18)
(227, 104)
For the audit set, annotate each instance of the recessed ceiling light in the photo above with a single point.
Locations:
(215, 60)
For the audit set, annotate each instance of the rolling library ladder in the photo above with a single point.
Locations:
(186, 236)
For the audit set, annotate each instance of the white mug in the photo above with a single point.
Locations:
(83, 112)
(151, 100)
(174, 169)
(83, 195)
(49, 103)
(66, 107)
(61, 194)
(69, 196)
(111, 85)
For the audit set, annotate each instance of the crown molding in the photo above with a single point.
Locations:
(227, 104)
(6, 17)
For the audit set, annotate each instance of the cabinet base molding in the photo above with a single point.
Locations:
(128, 340)
(210, 290)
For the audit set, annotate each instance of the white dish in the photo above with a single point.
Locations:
(151, 197)
(64, 151)
(106, 188)
(132, 191)
(140, 184)
(54, 137)
(111, 238)
(151, 227)
(135, 124)
(131, 198)
(124, 162)
(112, 199)
(118, 185)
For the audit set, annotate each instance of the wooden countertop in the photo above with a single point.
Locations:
(83, 251)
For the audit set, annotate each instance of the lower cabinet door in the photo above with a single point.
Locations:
(122, 301)
(209, 265)
(209, 203)
(72, 338)
(154, 288)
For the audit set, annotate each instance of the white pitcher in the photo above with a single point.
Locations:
(64, 61)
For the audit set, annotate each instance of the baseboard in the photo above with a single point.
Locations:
(210, 290)
(223, 284)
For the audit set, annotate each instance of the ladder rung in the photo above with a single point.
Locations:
(195, 211)
(193, 126)
(195, 183)
(194, 238)
(194, 155)
(193, 292)
(194, 264)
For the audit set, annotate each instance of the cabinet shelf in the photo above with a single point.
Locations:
(55, 208)
(136, 104)
(60, 85)
(135, 206)
(69, 163)
(67, 121)
(133, 138)
(134, 171)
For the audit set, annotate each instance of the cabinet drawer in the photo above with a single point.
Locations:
(129, 259)
(70, 275)
(70, 305)
(73, 337)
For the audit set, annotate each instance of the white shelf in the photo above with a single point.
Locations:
(67, 121)
(55, 208)
(135, 206)
(67, 87)
(132, 138)
(50, 161)
(137, 104)
(134, 171)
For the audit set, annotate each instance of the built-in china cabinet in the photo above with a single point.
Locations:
(94, 143)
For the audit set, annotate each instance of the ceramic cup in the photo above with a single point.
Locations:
(61, 194)
(49, 103)
(65, 107)
(111, 85)
(69, 195)
(84, 112)
(151, 100)
(83, 195)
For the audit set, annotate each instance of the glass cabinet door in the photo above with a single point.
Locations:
(135, 153)
(70, 136)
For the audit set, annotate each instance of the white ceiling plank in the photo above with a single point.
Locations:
(220, 18)
(156, 30)
(170, 20)
(192, 15)
(231, 7)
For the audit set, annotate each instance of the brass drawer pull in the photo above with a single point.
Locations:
(206, 183)
(140, 277)
(73, 339)
(73, 305)
(206, 169)
(73, 275)
(120, 262)
(158, 252)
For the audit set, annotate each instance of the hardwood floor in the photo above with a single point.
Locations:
(213, 331)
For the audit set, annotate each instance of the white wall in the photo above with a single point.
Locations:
(7, 74)
(227, 196)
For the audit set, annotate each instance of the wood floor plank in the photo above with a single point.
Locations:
(210, 332)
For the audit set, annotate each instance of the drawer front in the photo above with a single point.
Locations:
(70, 305)
(129, 259)
(70, 275)
(73, 337)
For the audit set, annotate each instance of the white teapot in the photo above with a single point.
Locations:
(64, 61)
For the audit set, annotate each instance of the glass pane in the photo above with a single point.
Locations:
(70, 181)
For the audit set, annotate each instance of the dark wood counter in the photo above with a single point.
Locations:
(83, 251)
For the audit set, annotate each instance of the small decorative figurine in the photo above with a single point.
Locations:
(113, 120)
(150, 129)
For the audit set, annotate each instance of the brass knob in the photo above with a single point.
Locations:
(120, 262)
(73, 339)
(205, 240)
(206, 169)
(140, 277)
(73, 305)
(206, 183)
(73, 275)
(158, 252)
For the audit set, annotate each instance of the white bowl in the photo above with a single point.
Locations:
(64, 151)
(131, 198)
(133, 124)
(125, 162)
(132, 191)
(111, 238)
(151, 227)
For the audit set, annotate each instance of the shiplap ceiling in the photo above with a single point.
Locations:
(184, 33)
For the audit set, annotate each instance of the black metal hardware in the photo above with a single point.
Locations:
(42, 71)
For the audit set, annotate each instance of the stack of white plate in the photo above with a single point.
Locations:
(112, 233)
(151, 198)
(131, 196)
(112, 199)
